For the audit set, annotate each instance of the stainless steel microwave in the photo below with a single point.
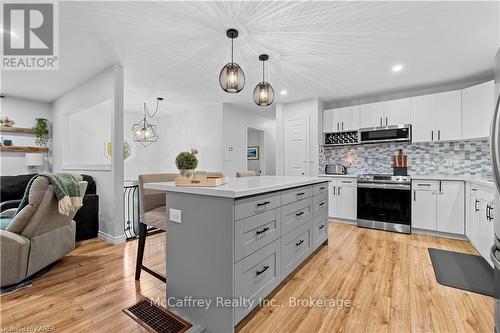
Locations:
(397, 133)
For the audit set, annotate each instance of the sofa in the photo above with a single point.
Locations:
(87, 218)
(37, 236)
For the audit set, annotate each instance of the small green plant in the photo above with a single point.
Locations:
(187, 160)
(41, 131)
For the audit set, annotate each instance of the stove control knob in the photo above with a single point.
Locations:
(405, 179)
(398, 178)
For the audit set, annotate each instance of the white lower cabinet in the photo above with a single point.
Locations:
(480, 221)
(438, 206)
(343, 198)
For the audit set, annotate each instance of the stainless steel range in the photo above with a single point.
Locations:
(384, 202)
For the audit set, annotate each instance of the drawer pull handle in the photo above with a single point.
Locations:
(301, 241)
(321, 226)
(262, 231)
(301, 193)
(321, 204)
(299, 214)
(423, 184)
(263, 203)
(263, 270)
(322, 188)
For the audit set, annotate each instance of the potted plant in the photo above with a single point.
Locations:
(41, 131)
(186, 162)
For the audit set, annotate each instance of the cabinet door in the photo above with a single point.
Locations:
(448, 112)
(328, 121)
(371, 115)
(347, 202)
(478, 206)
(450, 207)
(332, 199)
(423, 210)
(397, 112)
(477, 110)
(422, 118)
(486, 232)
(348, 118)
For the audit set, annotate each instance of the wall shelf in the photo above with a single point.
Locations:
(22, 130)
(24, 149)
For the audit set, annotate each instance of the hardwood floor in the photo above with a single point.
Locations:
(388, 279)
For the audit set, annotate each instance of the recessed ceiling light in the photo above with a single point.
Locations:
(397, 68)
(283, 92)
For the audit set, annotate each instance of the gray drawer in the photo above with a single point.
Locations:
(258, 204)
(296, 214)
(254, 232)
(319, 232)
(320, 188)
(320, 205)
(296, 194)
(295, 248)
(425, 185)
(256, 276)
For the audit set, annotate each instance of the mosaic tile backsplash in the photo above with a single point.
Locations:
(467, 157)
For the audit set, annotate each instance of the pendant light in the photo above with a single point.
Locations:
(231, 77)
(143, 131)
(263, 94)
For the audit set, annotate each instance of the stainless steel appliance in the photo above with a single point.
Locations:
(341, 138)
(335, 169)
(495, 156)
(397, 133)
(384, 202)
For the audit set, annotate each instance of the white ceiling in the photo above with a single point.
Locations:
(331, 50)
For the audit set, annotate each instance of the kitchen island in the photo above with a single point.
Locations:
(228, 247)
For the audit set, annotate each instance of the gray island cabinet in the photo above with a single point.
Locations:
(230, 246)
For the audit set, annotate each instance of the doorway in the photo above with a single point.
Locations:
(255, 150)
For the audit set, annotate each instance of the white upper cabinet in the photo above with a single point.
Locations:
(477, 110)
(448, 115)
(397, 112)
(372, 115)
(422, 118)
(341, 119)
(437, 117)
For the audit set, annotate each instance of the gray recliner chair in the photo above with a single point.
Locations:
(37, 236)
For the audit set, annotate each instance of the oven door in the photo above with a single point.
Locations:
(386, 207)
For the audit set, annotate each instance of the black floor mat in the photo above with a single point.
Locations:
(463, 271)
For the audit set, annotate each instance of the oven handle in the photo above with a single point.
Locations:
(385, 186)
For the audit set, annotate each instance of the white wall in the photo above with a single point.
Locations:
(107, 85)
(235, 131)
(24, 112)
(311, 108)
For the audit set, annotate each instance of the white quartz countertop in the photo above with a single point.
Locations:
(338, 176)
(241, 187)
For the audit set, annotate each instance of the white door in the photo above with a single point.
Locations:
(478, 206)
(486, 231)
(371, 115)
(297, 143)
(450, 208)
(448, 112)
(422, 118)
(332, 199)
(477, 110)
(348, 118)
(347, 202)
(397, 112)
(424, 210)
(329, 123)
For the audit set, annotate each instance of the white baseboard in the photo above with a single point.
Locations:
(438, 234)
(336, 220)
(110, 239)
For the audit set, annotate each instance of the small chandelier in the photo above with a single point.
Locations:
(231, 77)
(143, 131)
(263, 94)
